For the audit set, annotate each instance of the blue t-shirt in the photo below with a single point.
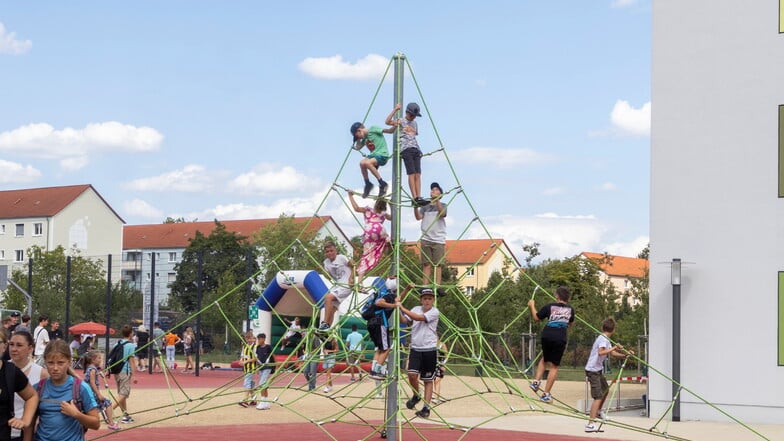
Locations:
(354, 341)
(128, 350)
(55, 425)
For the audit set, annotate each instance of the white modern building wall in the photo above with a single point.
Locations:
(716, 201)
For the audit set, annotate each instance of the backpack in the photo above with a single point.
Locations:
(76, 394)
(368, 310)
(116, 360)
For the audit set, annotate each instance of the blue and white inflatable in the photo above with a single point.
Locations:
(293, 293)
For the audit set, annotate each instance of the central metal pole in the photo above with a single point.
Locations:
(394, 354)
(676, 338)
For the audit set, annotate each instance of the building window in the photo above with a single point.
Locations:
(2, 254)
(469, 291)
(781, 319)
(172, 278)
(19, 256)
(2, 229)
(781, 150)
(148, 276)
(470, 272)
(19, 230)
(38, 229)
(173, 257)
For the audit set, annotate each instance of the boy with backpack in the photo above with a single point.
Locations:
(378, 313)
(128, 367)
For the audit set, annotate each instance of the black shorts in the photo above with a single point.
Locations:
(412, 159)
(423, 363)
(552, 350)
(379, 334)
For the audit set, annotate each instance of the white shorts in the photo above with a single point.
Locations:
(341, 293)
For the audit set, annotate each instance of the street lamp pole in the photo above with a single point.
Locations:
(675, 268)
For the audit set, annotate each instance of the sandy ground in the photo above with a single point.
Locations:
(466, 397)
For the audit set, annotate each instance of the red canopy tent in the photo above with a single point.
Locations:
(89, 328)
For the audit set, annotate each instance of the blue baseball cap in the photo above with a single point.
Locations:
(413, 108)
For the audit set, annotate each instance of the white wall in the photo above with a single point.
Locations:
(718, 79)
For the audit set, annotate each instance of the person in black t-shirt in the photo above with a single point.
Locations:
(559, 317)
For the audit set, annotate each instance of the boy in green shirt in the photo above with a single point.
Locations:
(373, 139)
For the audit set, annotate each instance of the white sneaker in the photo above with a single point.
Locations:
(328, 389)
(591, 427)
(263, 405)
(379, 395)
(603, 416)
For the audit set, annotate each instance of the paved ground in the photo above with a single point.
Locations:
(186, 407)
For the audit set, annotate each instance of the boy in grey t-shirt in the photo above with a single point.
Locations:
(409, 149)
(433, 240)
(422, 360)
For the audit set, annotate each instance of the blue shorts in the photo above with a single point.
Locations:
(380, 159)
(247, 383)
(329, 362)
(264, 376)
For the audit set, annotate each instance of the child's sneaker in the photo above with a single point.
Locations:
(127, 419)
(603, 417)
(377, 374)
(534, 385)
(328, 389)
(591, 427)
(113, 426)
(263, 405)
(412, 402)
(547, 398)
(421, 202)
(366, 191)
(324, 326)
(424, 413)
(382, 188)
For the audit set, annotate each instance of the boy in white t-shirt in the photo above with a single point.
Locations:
(294, 328)
(594, 369)
(340, 268)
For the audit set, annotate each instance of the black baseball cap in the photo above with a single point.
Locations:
(426, 292)
(15, 314)
(435, 185)
(354, 128)
(413, 108)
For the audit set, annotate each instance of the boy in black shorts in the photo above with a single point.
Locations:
(559, 317)
(409, 149)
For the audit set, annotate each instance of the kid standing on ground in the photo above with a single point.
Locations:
(58, 417)
(423, 357)
(92, 376)
(339, 267)
(602, 347)
(354, 344)
(373, 139)
(248, 360)
(559, 317)
(264, 356)
(409, 149)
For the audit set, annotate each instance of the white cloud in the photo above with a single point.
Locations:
(498, 157)
(553, 191)
(632, 121)
(622, 3)
(190, 179)
(372, 67)
(9, 44)
(627, 249)
(292, 206)
(138, 207)
(14, 173)
(607, 186)
(267, 179)
(73, 146)
(558, 236)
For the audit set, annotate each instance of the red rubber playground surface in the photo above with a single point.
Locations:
(288, 431)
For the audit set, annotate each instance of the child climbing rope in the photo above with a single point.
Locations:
(375, 237)
(373, 139)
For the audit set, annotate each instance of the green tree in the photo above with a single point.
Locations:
(285, 245)
(225, 261)
(88, 288)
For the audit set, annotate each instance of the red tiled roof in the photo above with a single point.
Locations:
(42, 202)
(470, 251)
(178, 235)
(620, 266)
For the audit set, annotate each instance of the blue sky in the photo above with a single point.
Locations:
(236, 110)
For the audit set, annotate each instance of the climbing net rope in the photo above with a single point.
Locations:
(487, 377)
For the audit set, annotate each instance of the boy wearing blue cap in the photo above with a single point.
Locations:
(409, 149)
(373, 139)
